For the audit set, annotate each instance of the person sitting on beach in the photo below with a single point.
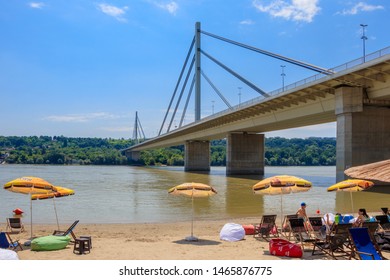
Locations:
(362, 217)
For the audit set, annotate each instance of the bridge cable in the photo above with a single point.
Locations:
(216, 90)
(177, 84)
(141, 130)
(290, 60)
(187, 101)
(242, 79)
(181, 93)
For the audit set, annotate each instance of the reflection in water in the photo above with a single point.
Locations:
(122, 194)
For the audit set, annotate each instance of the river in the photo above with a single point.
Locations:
(125, 194)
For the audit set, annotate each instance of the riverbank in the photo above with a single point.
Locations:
(158, 241)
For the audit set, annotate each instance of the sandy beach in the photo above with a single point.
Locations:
(165, 241)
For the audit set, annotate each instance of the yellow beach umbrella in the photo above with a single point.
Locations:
(192, 190)
(57, 192)
(351, 185)
(37, 188)
(281, 184)
(29, 185)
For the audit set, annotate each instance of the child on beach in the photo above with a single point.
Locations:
(301, 213)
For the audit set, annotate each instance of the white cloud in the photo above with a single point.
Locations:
(171, 7)
(113, 11)
(247, 22)
(80, 118)
(295, 10)
(117, 129)
(361, 7)
(36, 5)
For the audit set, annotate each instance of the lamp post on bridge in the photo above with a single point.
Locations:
(283, 75)
(239, 96)
(364, 38)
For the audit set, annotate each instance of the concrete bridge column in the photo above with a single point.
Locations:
(363, 132)
(133, 155)
(197, 156)
(245, 154)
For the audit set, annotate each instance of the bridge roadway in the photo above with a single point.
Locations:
(309, 102)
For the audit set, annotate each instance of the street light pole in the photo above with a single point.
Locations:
(364, 38)
(283, 75)
(239, 95)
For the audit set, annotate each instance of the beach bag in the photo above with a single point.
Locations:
(249, 229)
(232, 232)
(285, 248)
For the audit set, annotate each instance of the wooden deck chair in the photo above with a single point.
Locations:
(364, 247)
(286, 229)
(318, 228)
(372, 227)
(384, 222)
(266, 228)
(300, 233)
(68, 231)
(14, 225)
(6, 242)
(337, 243)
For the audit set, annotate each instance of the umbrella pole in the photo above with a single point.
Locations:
(281, 212)
(192, 218)
(192, 237)
(31, 224)
(55, 210)
(352, 203)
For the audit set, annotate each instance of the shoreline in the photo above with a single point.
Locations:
(157, 241)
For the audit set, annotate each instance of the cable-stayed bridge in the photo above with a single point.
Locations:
(355, 95)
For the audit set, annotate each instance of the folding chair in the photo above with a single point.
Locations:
(14, 225)
(300, 232)
(68, 231)
(266, 227)
(384, 222)
(6, 242)
(286, 228)
(317, 227)
(372, 227)
(363, 246)
(337, 243)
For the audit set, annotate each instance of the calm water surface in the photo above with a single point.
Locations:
(123, 194)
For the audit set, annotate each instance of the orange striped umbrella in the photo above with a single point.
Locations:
(192, 190)
(281, 184)
(351, 185)
(37, 188)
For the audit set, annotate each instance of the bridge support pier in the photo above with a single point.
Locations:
(197, 156)
(134, 155)
(363, 132)
(245, 154)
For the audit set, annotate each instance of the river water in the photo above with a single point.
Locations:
(124, 194)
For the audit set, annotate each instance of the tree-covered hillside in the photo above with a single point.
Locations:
(98, 151)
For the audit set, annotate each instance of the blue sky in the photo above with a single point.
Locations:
(83, 68)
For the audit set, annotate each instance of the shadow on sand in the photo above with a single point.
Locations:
(200, 242)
